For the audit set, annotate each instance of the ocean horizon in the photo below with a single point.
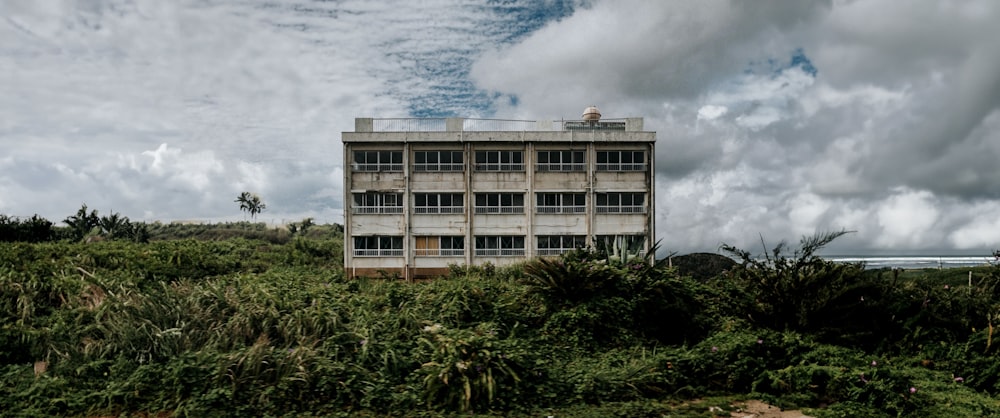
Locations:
(915, 261)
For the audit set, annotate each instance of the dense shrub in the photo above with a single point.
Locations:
(803, 292)
(594, 300)
(250, 327)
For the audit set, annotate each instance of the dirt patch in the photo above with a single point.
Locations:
(758, 409)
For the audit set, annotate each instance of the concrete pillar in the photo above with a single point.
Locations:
(363, 125)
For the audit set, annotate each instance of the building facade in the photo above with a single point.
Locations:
(422, 194)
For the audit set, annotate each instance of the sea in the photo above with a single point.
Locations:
(917, 262)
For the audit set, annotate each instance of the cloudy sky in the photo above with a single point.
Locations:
(774, 119)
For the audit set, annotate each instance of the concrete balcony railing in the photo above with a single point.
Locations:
(378, 253)
(499, 252)
(621, 209)
(435, 210)
(500, 209)
(440, 252)
(560, 209)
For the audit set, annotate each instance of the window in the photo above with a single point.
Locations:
(621, 203)
(499, 203)
(438, 203)
(499, 161)
(561, 203)
(437, 161)
(440, 246)
(499, 246)
(378, 246)
(560, 161)
(558, 244)
(631, 245)
(377, 203)
(621, 160)
(378, 161)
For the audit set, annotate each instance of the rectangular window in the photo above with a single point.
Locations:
(377, 203)
(560, 203)
(499, 203)
(621, 160)
(625, 202)
(560, 161)
(499, 161)
(437, 161)
(378, 161)
(558, 244)
(440, 246)
(499, 246)
(378, 246)
(438, 203)
(632, 245)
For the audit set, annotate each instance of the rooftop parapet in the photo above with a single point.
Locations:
(491, 125)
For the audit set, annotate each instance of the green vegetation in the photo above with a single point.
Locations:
(242, 320)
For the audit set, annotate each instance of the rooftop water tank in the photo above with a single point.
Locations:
(591, 113)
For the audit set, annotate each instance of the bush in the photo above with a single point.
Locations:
(837, 302)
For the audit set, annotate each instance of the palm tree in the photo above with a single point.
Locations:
(113, 225)
(82, 222)
(251, 203)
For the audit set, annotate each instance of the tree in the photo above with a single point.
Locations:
(251, 203)
(300, 227)
(114, 225)
(82, 222)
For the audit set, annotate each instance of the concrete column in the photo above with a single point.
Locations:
(454, 124)
(363, 125)
(590, 201)
(348, 218)
(633, 124)
(470, 237)
(408, 252)
(529, 199)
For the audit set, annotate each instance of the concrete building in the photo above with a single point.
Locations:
(421, 194)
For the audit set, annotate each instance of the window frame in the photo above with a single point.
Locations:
(499, 160)
(377, 161)
(621, 160)
(620, 202)
(375, 203)
(499, 246)
(438, 208)
(545, 160)
(498, 203)
(385, 246)
(422, 163)
(443, 246)
(544, 202)
(557, 244)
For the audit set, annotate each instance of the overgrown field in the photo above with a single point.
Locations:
(257, 327)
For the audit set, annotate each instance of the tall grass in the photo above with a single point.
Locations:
(249, 327)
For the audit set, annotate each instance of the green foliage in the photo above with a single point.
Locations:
(599, 299)
(83, 222)
(33, 229)
(468, 369)
(804, 292)
(251, 327)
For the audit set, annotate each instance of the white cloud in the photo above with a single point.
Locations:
(709, 112)
(167, 110)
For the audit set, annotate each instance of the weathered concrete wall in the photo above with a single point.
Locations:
(378, 224)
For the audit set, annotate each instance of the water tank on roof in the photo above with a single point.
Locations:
(591, 113)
